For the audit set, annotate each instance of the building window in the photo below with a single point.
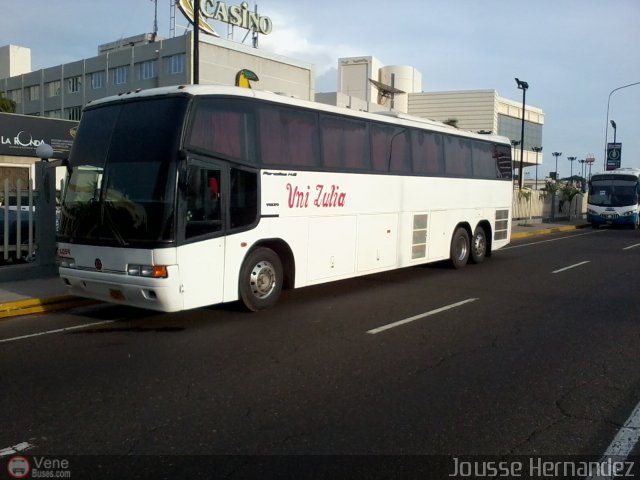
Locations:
(74, 113)
(33, 93)
(74, 84)
(175, 64)
(53, 114)
(15, 95)
(53, 88)
(148, 70)
(97, 80)
(120, 75)
(512, 128)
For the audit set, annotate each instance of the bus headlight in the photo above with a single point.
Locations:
(629, 213)
(150, 271)
(66, 262)
(591, 212)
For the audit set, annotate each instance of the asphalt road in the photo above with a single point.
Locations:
(537, 354)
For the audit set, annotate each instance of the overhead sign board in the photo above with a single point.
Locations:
(614, 155)
(20, 135)
(239, 16)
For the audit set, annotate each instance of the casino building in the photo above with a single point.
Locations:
(147, 61)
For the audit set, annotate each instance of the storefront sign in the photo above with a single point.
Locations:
(239, 16)
(20, 135)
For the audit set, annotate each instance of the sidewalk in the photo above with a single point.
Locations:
(524, 228)
(49, 294)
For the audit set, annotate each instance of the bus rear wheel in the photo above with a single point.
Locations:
(261, 279)
(459, 252)
(478, 246)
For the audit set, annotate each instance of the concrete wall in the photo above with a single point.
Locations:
(14, 60)
(221, 59)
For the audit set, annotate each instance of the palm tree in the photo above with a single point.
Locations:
(7, 105)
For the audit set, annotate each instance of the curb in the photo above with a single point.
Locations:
(546, 231)
(41, 305)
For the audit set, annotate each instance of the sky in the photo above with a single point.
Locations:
(572, 53)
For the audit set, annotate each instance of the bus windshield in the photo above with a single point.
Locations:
(613, 192)
(121, 190)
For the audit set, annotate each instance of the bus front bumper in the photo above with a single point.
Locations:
(613, 219)
(161, 294)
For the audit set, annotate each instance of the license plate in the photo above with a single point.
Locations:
(116, 294)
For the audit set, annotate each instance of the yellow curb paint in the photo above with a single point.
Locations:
(36, 305)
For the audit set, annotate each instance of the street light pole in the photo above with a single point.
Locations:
(571, 159)
(522, 85)
(615, 129)
(196, 42)
(606, 131)
(556, 154)
(537, 150)
(514, 144)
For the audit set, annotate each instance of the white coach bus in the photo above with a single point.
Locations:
(187, 196)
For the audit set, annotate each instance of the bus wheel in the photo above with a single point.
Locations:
(260, 279)
(478, 246)
(459, 253)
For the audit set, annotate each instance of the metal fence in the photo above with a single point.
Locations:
(17, 220)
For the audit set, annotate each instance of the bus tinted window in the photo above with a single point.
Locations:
(345, 143)
(502, 157)
(91, 145)
(225, 128)
(484, 165)
(458, 157)
(389, 148)
(426, 152)
(288, 137)
(243, 209)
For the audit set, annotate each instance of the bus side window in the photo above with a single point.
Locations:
(243, 209)
(203, 201)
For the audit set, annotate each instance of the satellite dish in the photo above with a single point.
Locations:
(385, 91)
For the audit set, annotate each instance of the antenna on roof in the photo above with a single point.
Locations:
(155, 21)
(385, 91)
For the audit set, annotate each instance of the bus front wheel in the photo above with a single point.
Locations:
(260, 279)
(459, 253)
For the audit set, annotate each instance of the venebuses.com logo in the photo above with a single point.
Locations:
(38, 467)
(18, 467)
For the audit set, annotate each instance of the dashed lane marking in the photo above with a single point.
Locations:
(571, 266)
(418, 317)
(58, 330)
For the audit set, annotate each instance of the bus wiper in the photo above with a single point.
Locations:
(110, 223)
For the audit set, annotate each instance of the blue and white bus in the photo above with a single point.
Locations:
(613, 198)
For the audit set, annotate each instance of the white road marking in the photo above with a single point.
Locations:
(631, 246)
(568, 237)
(571, 266)
(623, 443)
(59, 330)
(418, 317)
(20, 447)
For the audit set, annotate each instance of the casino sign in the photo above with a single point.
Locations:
(239, 16)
